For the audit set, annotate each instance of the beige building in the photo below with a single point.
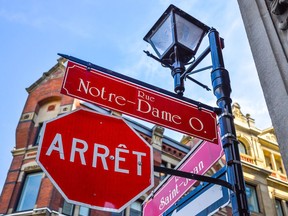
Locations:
(266, 25)
(263, 167)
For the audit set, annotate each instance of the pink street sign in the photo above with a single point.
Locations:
(165, 195)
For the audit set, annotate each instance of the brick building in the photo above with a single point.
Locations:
(28, 191)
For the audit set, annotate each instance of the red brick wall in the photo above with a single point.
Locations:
(15, 196)
(45, 193)
(25, 136)
(5, 197)
(23, 133)
(10, 183)
(48, 89)
(56, 200)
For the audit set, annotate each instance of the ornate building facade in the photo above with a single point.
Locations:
(264, 173)
(266, 25)
(28, 191)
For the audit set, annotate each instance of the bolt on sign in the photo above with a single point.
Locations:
(140, 100)
(96, 160)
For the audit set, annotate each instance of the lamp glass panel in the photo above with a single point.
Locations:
(162, 39)
(188, 34)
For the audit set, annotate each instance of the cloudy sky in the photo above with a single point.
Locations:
(110, 34)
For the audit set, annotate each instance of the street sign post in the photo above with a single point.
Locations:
(175, 55)
(96, 160)
(204, 200)
(173, 188)
(117, 92)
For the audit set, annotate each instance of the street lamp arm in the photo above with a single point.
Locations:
(198, 83)
(190, 71)
(157, 59)
(196, 62)
(197, 71)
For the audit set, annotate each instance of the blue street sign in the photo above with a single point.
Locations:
(204, 200)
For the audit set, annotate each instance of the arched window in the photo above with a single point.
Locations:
(242, 147)
(48, 109)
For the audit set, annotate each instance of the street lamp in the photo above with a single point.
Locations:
(175, 38)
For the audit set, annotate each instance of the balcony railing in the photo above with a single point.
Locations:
(279, 175)
(247, 158)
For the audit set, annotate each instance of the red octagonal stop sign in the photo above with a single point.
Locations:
(96, 160)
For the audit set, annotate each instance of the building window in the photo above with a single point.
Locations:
(135, 209)
(84, 211)
(38, 133)
(242, 147)
(48, 109)
(118, 214)
(278, 207)
(268, 162)
(67, 208)
(278, 163)
(70, 209)
(29, 192)
(252, 198)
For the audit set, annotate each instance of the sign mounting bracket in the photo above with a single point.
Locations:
(194, 176)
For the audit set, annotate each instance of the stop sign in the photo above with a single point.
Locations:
(96, 160)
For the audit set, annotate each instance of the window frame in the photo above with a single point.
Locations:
(23, 191)
(74, 208)
(38, 133)
(280, 205)
(85, 208)
(122, 213)
(243, 146)
(248, 185)
(134, 209)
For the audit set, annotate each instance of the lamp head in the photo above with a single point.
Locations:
(176, 28)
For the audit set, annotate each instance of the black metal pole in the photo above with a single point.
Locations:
(193, 176)
(222, 90)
